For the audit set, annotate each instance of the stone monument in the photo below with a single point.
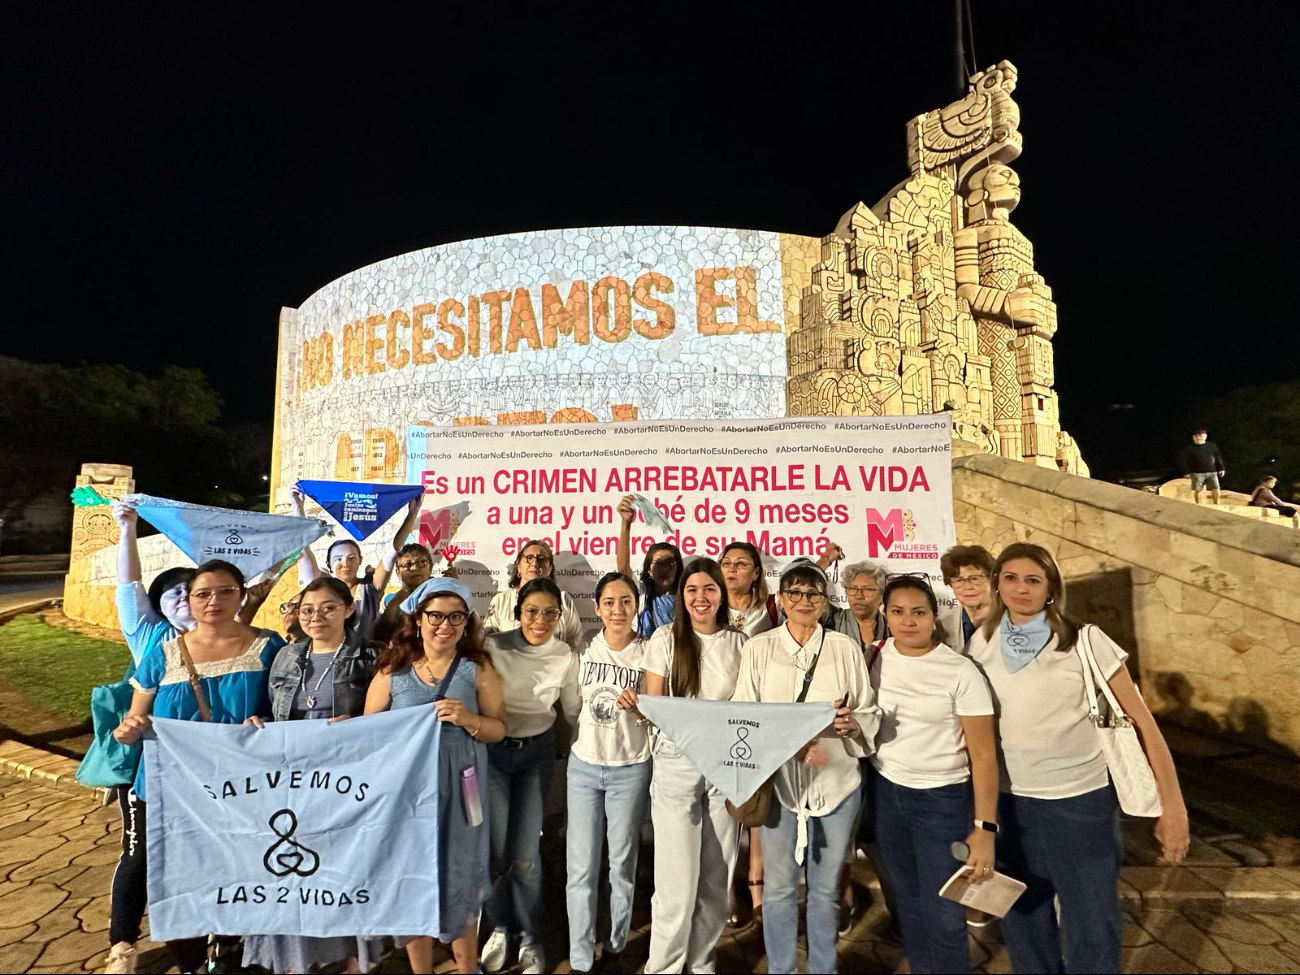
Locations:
(929, 300)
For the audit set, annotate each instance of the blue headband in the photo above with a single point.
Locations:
(434, 587)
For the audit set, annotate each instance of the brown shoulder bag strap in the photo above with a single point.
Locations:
(196, 682)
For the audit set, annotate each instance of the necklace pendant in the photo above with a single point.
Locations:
(311, 702)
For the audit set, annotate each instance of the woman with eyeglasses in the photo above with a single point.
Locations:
(934, 779)
(414, 567)
(661, 571)
(343, 560)
(817, 793)
(862, 620)
(1058, 812)
(697, 655)
(232, 661)
(608, 777)
(535, 561)
(537, 669)
(966, 570)
(437, 658)
(325, 675)
(753, 608)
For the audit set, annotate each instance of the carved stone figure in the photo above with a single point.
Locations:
(929, 300)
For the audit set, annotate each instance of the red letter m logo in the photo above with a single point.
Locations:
(883, 531)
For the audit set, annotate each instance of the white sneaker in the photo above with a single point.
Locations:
(494, 953)
(532, 959)
(121, 959)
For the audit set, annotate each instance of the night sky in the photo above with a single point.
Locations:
(170, 177)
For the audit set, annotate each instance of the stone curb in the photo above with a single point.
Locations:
(54, 771)
(34, 606)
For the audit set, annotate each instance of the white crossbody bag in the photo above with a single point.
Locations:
(1130, 771)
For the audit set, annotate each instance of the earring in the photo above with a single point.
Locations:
(1050, 600)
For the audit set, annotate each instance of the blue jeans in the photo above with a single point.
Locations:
(915, 829)
(605, 802)
(1070, 849)
(517, 783)
(828, 842)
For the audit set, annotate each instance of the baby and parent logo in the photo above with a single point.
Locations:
(286, 855)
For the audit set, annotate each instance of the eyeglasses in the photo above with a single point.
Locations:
(537, 559)
(740, 565)
(324, 611)
(416, 564)
(436, 619)
(291, 607)
(909, 575)
(861, 590)
(207, 595)
(975, 580)
(797, 596)
(532, 614)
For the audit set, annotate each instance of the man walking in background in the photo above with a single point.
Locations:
(1202, 463)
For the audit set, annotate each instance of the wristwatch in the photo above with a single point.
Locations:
(984, 824)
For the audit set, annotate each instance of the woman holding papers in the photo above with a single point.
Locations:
(935, 778)
(608, 775)
(1058, 810)
(817, 793)
(661, 571)
(437, 658)
(537, 669)
(534, 561)
(228, 661)
(325, 675)
(697, 655)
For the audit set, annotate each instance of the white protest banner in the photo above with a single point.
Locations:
(303, 827)
(880, 487)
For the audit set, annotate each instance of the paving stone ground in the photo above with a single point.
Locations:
(58, 847)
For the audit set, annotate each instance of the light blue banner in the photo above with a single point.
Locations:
(302, 827)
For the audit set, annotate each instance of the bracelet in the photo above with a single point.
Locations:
(474, 734)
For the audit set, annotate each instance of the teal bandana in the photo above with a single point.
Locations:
(1021, 644)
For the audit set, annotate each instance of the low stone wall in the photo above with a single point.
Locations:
(1208, 603)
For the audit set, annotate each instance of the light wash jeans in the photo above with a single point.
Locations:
(606, 802)
(823, 859)
(517, 783)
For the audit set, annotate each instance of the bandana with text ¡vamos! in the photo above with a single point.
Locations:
(359, 507)
(252, 541)
(736, 745)
(292, 828)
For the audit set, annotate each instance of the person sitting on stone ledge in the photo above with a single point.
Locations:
(1263, 497)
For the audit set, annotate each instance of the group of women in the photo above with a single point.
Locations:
(985, 743)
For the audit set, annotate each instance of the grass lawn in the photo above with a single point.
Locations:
(55, 668)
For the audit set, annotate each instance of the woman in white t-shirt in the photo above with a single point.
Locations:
(537, 669)
(935, 775)
(534, 561)
(608, 775)
(817, 793)
(697, 655)
(1058, 812)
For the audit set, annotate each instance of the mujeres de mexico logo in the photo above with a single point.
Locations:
(894, 533)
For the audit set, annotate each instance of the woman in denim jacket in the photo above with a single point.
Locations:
(324, 676)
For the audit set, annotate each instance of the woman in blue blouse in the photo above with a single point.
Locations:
(232, 659)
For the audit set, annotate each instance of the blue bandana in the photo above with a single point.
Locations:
(1021, 644)
(434, 587)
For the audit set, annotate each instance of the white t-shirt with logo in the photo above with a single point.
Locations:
(752, 621)
(922, 700)
(606, 735)
(1047, 746)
